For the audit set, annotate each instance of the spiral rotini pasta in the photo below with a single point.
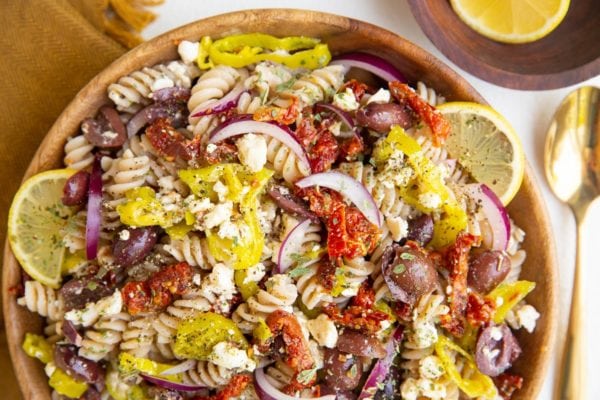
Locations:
(133, 91)
(78, 153)
(42, 300)
(138, 337)
(207, 374)
(193, 249)
(130, 172)
(279, 294)
(104, 337)
(318, 85)
(429, 95)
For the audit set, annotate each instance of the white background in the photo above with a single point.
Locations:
(529, 112)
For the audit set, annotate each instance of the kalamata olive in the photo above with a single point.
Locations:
(420, 229)
(342, 370)
(91, 394)
(339, 394)
(66, 358)
(487, 270)
(106, 131)
(408, 272)
(381, 117)
(134, 244)
(359, 344)
(75, 190)
(291, 203)
(496, 350)
(78, 292)
(71, 333)
(159, 393)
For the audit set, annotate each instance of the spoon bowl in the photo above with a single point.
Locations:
(572, 165)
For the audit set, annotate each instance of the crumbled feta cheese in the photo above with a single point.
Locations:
(255, 273)
(495, 333)
(219, 287)
(124, 234)
(409, 389)
(346, 100)
(88, 315)
(252, 151)
(381, 96)
(431, 390)
(425, 334)
(188, 51)
(50, 368)
(267, 212)
(161, 82)
(431, 367)
(323, 330)
(221, 190)
(430, 200)
(211, 147)
(527, 316)
(219, 214)
(226, 355)
(398, 227)
(199, 205)
(109, 134)
(197, 279)
(229, 230)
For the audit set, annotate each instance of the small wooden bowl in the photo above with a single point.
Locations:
(342, 34)
(568, 55)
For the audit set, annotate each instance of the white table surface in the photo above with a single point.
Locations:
(528, 111)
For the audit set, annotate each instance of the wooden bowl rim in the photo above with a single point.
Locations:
(493, 74)
(29, 371)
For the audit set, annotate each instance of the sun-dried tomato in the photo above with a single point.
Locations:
(306, 131)
(137, 297)
(157, 292)
(402, 310)
(457, 262)
(350, 148)
(479, 309)
(508, 384)
(360, 314)
(349, 233)
(324, 152)
(224, 152)
(167, 140)
(297, 355)
(283, 115)
(440, 127)
(358, 88)
(233, 389)
(326, 273)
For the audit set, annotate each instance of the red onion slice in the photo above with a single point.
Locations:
(382, 366)
(344, 116)
(350, 188)
(494, 211)
(266, 391)
(292, 244)
(371, 63)
(170, 384)
(245, 124)
(182, 367)
(94, 216)
(225, 103)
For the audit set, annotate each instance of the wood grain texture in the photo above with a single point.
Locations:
(342, 34)
(568, 55)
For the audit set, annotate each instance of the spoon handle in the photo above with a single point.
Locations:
(573, 383)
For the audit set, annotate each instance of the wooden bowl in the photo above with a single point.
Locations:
(568, 55)
(342, 34)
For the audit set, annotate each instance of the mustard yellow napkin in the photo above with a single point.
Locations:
(49, 49)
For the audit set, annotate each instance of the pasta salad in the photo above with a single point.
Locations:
(258, 220)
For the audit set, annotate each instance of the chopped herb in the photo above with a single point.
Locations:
(318, 117)
(400, 268)
(307, 376)
(298, 271)
(407, 256)
(285, 85)
(92, 285)
(353, 371)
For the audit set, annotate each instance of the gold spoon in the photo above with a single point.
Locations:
(572, 164)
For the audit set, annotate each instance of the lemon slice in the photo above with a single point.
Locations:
(35, 221)
(512, 21)
(486, 145)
